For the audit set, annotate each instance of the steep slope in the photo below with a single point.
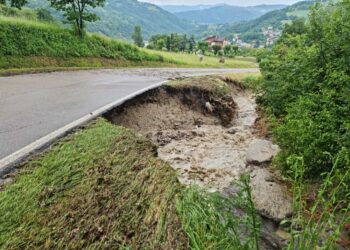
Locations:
(119, 17)
(226, 13)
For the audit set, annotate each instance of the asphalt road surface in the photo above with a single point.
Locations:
(32, 106)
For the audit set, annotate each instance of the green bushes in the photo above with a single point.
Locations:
(21, 39)
(306, 88)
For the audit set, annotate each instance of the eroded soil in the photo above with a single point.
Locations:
(204, 147)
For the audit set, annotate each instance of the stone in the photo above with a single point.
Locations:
(209, 107)
(261, 151)
(232, 130)
(271, 199)
(5, 181)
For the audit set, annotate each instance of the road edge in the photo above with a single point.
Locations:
(9, 163)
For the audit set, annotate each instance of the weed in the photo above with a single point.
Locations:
(322, 225)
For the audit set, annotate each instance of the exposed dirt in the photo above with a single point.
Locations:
(204, 138)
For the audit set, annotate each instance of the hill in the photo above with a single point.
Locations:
(252, 29)
(33, 44)
(119, 17)
(182, 8)
(226, 13)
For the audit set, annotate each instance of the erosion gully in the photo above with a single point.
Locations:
(211, 142)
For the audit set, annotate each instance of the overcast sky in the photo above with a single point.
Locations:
(232, 2)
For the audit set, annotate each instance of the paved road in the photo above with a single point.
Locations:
(32, 106)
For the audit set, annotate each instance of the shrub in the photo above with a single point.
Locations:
(306, 86)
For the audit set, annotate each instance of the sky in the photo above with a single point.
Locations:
(232, 2)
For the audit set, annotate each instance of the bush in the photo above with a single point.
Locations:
(306, 88)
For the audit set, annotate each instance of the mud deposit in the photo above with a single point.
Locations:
(211, 141)
(204, 138)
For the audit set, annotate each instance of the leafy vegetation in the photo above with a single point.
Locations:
(21, 38)
(173, 42)
(320, 223)
(119, 18)
(252, 30)
(137, 37)
(78, 12)
(306, 81)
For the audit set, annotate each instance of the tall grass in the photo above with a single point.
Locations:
(101, 188)
(321, 225)
(213, 222)
(21, 38)
(209, 61)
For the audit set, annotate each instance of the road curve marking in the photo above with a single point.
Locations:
(8, 163)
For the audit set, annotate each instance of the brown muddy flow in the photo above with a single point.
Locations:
(211, 142)
(202, 137)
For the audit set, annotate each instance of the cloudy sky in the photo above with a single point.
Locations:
(232, 2)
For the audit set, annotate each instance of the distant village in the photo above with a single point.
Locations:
(271, 35)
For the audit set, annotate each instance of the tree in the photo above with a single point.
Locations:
(216, 48)
(168, 43)
(77, 12)
(203, 46)
(228, 50)
(235, 49)
(192, 44)
(160, 44)
(137, 37)
(44, 15)
(15, 3)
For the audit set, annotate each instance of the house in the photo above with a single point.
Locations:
(215, 40)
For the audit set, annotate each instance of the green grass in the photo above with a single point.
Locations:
(100, 188)
(192, 60)
(214, 85)
(31, 44)
(210, 223)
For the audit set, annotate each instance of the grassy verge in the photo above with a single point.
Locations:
(104, 188)
(192, 60)
(29, 65)
(101, 188)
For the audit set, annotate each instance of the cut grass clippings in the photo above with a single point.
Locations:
(101, 188)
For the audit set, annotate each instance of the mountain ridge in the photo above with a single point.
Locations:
(225, 13)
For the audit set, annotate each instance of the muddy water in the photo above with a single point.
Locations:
(192, 138)
(215, 157)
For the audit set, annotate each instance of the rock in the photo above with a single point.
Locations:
(232, 131)
(283, 234)
(261, 151)
(270, 198)
(5, 181)
(209, 107)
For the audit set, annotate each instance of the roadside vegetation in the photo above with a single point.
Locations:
(101, 188)
(193, 60)
(305, 90)
(105, 187)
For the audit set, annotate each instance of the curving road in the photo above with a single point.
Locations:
(32, 106)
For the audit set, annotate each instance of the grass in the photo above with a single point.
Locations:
(211, 222)
(192, 60)
(29, 65)
(210, 84)
(101, 188)
(104, 188)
